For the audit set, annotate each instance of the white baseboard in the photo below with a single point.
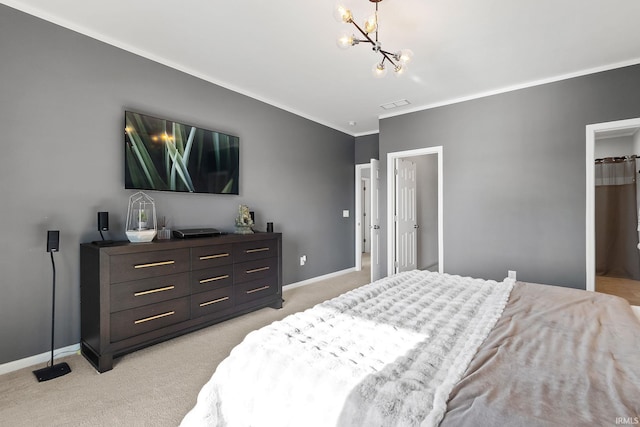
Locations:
(38, 358)
(318, 278)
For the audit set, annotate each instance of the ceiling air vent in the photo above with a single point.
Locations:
(395, 104)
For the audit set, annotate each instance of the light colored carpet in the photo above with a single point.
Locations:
(155, 386)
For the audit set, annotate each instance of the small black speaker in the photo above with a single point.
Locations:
(53, 241)
(103, 221)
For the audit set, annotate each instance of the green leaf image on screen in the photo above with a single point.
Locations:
(165, 155)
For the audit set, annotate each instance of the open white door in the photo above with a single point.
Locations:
(375, 221)
(406, 222)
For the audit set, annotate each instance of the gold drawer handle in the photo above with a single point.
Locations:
(213, 279)
(206, 257)
(258, 289)
(153, 291)
(204, 304)
(250, 251)
(154, 264)
(157, 316)
(255, 270)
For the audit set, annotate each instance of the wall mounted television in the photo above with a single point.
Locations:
(166, 155)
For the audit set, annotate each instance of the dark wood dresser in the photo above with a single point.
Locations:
(136, 294)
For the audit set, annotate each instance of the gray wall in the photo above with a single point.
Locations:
(367, 148)
(514, 173)
(62, 102)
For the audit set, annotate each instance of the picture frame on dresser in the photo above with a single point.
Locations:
(133, 295)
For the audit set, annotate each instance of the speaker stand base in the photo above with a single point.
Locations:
(51, 372)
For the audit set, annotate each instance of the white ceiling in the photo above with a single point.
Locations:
(283, 52)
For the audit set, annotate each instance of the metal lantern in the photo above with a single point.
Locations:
(141, 218)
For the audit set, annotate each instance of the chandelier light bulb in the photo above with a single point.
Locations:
(379, 70)
(405, 56)
(342, 14)
(345, 40)
(371, 24)
(400, 69)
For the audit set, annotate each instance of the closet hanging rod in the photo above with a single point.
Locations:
(614, 159)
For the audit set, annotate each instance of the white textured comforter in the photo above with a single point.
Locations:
(385, 354)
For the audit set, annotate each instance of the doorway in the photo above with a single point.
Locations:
(427, 241)
(612, 141)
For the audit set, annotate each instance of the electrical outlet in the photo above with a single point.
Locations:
(345, 213)
(303, 260)
(512, 274)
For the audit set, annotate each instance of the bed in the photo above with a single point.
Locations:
(427, 349)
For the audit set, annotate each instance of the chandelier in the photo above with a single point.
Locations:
(369, 31)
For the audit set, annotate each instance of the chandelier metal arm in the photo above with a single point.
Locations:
(376, 46)
(388, 56)
(368, 39)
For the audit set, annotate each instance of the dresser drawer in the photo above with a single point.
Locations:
(210, 256)
(136, 266)
(211, 302)
(136, 321)
(255, 289)
(253, 270)
(211, 278)
(248, 251)
(128, 295)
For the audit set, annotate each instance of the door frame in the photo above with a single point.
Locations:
(391, 196)
(590, 216)
(358, 214)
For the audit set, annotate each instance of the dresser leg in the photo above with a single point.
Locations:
(102, 362)
(105, 363)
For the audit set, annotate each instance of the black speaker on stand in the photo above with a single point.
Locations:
(103, 225)
(53, 371)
